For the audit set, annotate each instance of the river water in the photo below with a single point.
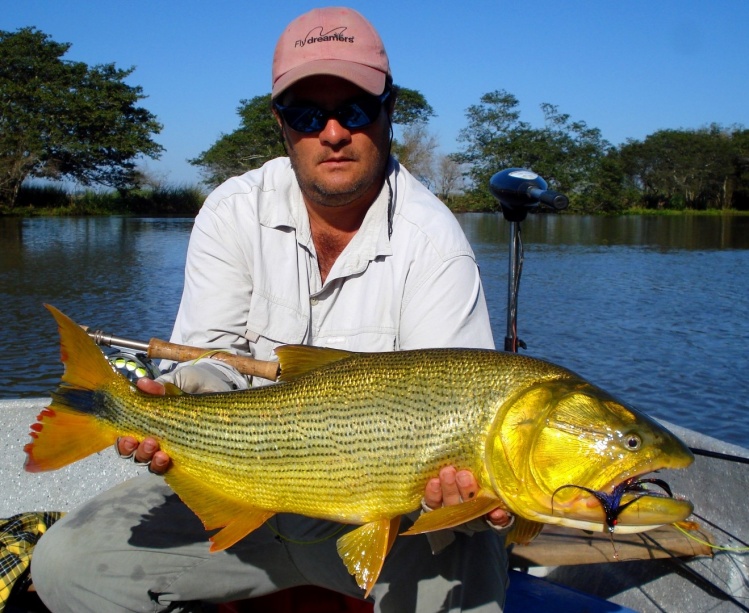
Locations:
(653, 309)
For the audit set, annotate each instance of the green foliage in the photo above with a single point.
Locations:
(257, 140)
(42, 196)
(46, 200)
(566, 153)
(65, 120)
(671, 169)
(416, 146)
(411, 107)
(162, 201)
(689, 169)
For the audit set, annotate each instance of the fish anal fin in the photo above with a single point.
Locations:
(363, 550)
(61, 436)
(216, 509)
(297, 360)
(394, 525)
(239, 527)
(454, 515)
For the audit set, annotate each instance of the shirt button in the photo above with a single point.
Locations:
(313, 301)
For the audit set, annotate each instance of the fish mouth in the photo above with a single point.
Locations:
(634, 505)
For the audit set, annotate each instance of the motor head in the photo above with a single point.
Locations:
(518, 190)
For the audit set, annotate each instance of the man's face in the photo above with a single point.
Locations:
(336, 166)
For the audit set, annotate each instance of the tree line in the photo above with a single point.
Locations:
(67, 120)
(700, 169)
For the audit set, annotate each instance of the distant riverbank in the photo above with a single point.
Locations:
(53, 201)
(185, 201)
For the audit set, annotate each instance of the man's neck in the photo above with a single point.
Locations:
(333, 228)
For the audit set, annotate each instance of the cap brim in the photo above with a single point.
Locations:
(367, 78)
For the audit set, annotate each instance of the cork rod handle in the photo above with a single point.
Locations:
(184, 353)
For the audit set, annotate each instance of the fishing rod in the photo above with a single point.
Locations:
(159, 349)
(518, 191)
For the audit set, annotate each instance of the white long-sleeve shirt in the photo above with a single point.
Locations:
(252, 280)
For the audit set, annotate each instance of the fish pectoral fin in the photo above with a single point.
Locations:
(297, 360)
(363, 550)
(215, 509)
(454, 515)
(523, 531)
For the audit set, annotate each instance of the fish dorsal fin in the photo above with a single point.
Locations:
(454, 515)
(298, 360)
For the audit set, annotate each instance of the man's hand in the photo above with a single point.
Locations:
(146, 451)
(193, 379)
(453, 487)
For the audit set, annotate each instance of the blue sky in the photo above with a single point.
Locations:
(628, 67)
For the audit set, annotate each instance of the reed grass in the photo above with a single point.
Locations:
(52, 200)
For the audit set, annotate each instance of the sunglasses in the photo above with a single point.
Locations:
(356, 114)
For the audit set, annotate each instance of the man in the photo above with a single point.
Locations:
(336, 245)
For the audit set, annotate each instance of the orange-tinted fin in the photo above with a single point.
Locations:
(449, 517)
(523, 531)
(215, 509)
(363, 550)
(70, 429)
(394, 525)
(85, 365)
(297, 360)
(62, 436)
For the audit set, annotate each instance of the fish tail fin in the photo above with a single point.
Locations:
(69, 429)
(85, 365)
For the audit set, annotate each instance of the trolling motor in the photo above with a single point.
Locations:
(518, 191)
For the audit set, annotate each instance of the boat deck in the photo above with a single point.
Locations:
(651, 574)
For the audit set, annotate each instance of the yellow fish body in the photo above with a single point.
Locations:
(354, 438)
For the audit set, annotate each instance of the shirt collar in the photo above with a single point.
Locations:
(372, 239)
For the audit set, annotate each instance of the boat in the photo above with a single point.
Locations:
(655, 571)
(704, 568)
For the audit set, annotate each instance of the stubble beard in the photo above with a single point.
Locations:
(333, 194)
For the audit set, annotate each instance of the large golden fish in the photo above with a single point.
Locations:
(355, 437)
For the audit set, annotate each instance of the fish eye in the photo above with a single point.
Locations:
(633, 442)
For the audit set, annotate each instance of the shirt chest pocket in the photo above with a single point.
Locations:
(270, 324)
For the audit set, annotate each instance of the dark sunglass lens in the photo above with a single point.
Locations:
(304, 119)
(353, 116)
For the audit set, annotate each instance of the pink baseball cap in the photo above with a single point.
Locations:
(333, 41)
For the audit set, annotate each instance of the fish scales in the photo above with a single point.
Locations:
(355, 437)
(352, 437)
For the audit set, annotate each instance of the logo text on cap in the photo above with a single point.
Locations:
(316, 35)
